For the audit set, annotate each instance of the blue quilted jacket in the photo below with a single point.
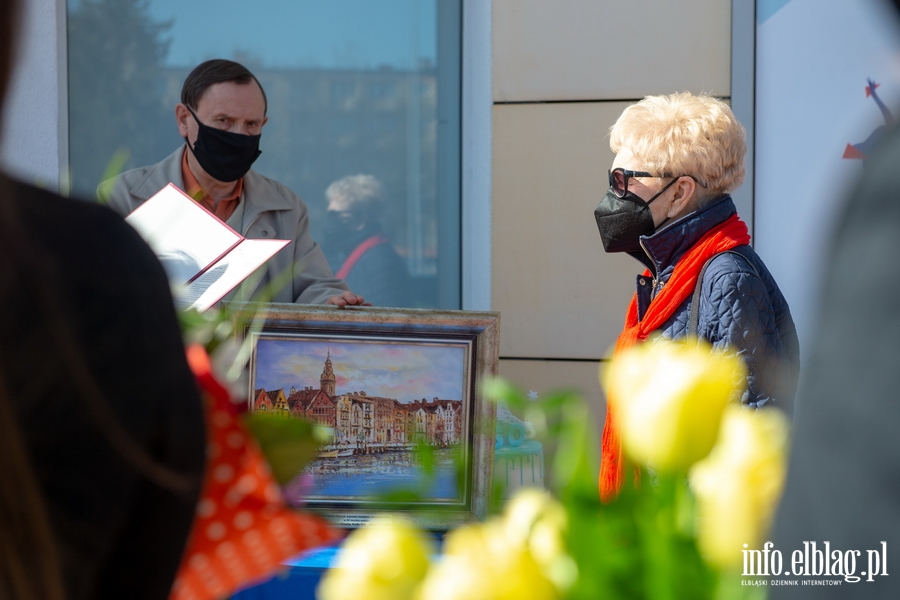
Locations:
(740, 305)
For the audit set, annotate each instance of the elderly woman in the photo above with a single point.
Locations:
(677, 159)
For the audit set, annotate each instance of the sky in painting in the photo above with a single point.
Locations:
(402, 371)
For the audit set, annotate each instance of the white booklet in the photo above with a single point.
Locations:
(203, 257)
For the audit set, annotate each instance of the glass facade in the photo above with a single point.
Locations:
(354, 88)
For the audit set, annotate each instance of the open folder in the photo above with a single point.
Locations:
(203, 257)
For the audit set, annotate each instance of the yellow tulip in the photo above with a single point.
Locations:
(668, 399)
(480, 562)
(386, 559)
(534, 519)
(739, 484)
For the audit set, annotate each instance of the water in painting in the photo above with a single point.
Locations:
(380, 399)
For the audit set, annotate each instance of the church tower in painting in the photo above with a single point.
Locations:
(327, 380)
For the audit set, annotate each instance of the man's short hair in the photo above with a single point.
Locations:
(212, 72)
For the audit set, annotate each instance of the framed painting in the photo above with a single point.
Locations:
(398, 393)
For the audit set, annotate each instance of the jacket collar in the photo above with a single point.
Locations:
(665, 247)
(156, 177)
(258, 196)
(261, 196)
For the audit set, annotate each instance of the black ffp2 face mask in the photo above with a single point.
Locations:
(622, 221)
(224, 155)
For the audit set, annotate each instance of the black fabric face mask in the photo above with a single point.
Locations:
(226, 156)
(622, 221)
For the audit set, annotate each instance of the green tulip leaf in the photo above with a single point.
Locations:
(288, 443)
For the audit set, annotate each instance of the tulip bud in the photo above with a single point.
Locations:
(481, 562)
(738, 485)
(384, 560)
(668, 399)
(536, 520)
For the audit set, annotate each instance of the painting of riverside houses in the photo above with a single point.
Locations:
(379, 399)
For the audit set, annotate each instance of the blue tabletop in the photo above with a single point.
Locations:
(297, 582)
(301, 575)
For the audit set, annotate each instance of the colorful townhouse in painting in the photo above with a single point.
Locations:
(360, 421)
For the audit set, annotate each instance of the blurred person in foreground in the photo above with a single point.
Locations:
(221, 116)
(843, 484)
(357, 248)
(102, 438)
(678, 158)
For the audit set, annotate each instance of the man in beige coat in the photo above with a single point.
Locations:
(220, 116)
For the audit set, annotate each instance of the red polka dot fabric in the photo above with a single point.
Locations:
(243, 528)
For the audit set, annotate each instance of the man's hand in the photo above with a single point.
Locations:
(348, 299)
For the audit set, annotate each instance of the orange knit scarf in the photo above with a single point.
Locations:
(730, 233)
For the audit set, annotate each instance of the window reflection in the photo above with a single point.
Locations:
(354, 88)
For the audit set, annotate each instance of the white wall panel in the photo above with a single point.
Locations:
(34, 124)
(560, 294)
(544, 376)
(609, 49)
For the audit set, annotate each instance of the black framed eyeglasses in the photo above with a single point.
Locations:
(618, 179)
